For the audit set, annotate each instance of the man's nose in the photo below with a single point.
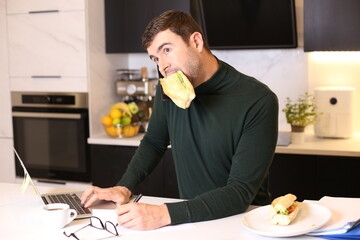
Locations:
(163, 65)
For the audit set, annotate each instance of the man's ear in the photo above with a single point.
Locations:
(197, 40)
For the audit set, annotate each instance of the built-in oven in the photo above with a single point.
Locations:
(50, 135)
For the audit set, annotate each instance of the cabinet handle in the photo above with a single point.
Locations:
(44, 11)
(47, 115)
(46, 76)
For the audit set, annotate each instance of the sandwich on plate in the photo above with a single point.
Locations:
(284, 209)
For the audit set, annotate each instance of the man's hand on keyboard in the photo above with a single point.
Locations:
(116, 194)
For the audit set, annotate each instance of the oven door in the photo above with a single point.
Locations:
(52, 142)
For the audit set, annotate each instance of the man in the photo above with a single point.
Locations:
(222, 145)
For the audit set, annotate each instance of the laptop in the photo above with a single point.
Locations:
(70, 198)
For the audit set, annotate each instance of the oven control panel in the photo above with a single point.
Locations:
(48, 99)
(39, 99)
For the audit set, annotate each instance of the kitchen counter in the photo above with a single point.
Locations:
(324, 146)
(21, 221)
(312, 145)
(104, 139)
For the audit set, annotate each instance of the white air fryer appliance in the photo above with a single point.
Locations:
(337, 106)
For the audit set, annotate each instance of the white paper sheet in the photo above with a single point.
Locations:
(343, 210)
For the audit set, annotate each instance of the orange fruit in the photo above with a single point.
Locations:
(106, 121)
(115, 113)
(137, 128)
(113, 131)
(129, 131)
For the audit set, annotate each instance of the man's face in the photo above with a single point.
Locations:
(169, 51)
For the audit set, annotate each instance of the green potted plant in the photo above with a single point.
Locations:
(300, 114)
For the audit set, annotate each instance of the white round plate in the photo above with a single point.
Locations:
(310, 217)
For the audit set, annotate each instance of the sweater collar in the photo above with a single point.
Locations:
(214, 82)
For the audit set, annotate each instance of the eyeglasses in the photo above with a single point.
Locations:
(96, 223)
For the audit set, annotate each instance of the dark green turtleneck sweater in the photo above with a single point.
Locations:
(222, 146)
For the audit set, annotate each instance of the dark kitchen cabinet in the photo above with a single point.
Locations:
(306, 176)
(125, 21)
(109, 163)
(293, 174)
(315, 176)
(331, 25)
(338, 176)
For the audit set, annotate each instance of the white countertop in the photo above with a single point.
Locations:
(312, 145)
(104, 139)
(324, 146)
(21, 219)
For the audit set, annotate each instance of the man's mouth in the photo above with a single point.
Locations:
(168, 72)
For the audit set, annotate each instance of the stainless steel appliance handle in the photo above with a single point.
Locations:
(46, 76)
(47, 115)
(43, 11)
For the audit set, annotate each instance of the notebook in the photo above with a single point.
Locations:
(70, 198)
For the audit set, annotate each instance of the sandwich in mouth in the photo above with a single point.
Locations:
(178, 88)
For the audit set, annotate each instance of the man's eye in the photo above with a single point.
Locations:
(156, 60)
(166, 50)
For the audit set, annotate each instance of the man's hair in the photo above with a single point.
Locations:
(178, 22)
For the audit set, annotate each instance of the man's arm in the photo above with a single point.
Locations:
(147, 156)
(151, 149)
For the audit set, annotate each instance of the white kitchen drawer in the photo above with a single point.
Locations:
(51, 44)
(25, 6)
(63, 84)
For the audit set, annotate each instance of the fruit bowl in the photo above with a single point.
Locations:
(123, 131)
(124, 119)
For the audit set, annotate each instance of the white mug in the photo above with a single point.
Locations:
(57, 215)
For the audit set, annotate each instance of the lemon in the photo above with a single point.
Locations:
(106, 121)
(115, 113)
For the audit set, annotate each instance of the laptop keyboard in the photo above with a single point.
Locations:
(72, 200)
